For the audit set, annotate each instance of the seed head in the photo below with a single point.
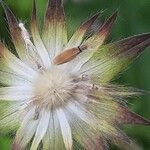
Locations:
(57, 94)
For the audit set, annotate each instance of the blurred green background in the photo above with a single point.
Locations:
(133, 18)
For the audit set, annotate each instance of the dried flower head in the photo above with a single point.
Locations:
(57, 93)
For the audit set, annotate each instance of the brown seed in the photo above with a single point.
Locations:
(67, 55)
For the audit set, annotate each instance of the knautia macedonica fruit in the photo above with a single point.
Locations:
(57, 92)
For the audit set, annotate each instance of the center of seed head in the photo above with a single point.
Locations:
(52, 88)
